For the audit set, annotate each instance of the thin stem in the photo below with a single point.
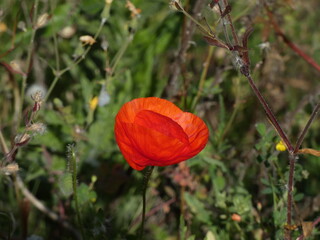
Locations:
(28, 62)
(74, 186)
(292, 159)
(314, 223)
(304, 131)
(287, 41)
(35, 202)
(144, 190)
(233, 31)
(270, 114)
(199, 25)
(119, 54)
(202, 78)
(58, 74)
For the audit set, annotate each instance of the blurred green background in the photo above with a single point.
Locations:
(149, 49)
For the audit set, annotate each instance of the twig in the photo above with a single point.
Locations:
(292, 159)
(58, 74)
(287, 41)
(233, 31)
(203, 77)
(270, 114)
(304, 131)
(29, 56)
(41, 207)
(315, 223)
(186, 36)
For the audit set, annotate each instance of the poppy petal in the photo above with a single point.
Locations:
(155, 132)
(130, 109)
(162, 124)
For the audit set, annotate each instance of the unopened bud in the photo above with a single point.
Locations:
(15, 66)
(3, 27)
(87, 39)
(42, 20)
(37, 128)
(67, 32)
(281, 147)
(135, 12)
(22, 139)
(236, 217)
(93, 103)
(176, 5)
(10, 169)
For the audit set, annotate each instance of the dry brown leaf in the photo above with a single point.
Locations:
(307, 228)
(309, 151)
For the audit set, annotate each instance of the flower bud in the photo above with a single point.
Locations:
(281, 147)
(93, 103)
(37, 128)
(176, 5)
(10, 169)
(16, 67)
(3, 27)
(87, 39)
(236, 217)
(22, 139)
(67, 32)
(42, 20)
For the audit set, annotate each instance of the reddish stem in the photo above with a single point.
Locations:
(293, 46)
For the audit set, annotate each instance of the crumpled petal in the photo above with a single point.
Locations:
(155, 132)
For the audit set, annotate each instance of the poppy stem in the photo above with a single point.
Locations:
(146, 178)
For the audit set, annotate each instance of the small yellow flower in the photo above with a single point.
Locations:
(93, 103)
(3, 27)
(281, 147)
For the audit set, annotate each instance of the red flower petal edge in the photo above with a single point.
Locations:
(155, 132)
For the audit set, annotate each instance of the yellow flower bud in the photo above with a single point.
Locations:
(87, 39)
(93, 103)
(281, 147)
(3, 27)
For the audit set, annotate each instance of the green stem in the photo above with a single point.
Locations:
(202, 78)
(59, 73)
(146, 178)
(74, 185)
(28, 62)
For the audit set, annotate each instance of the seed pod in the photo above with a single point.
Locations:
(87, 39)
(22, 139)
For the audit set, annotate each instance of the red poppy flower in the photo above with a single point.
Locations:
(154, 132)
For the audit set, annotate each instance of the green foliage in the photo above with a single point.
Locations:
(137, 54)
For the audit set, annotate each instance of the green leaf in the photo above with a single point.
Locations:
(197, 208)
(261, 128)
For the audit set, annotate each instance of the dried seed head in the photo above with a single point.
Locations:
(67, 32)
(16, 67)
(42, 20)
(37, 128)
(87, 39)
(10, 169)
(37, 96)
(135, 12)
(176, 5)
(22, 139)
